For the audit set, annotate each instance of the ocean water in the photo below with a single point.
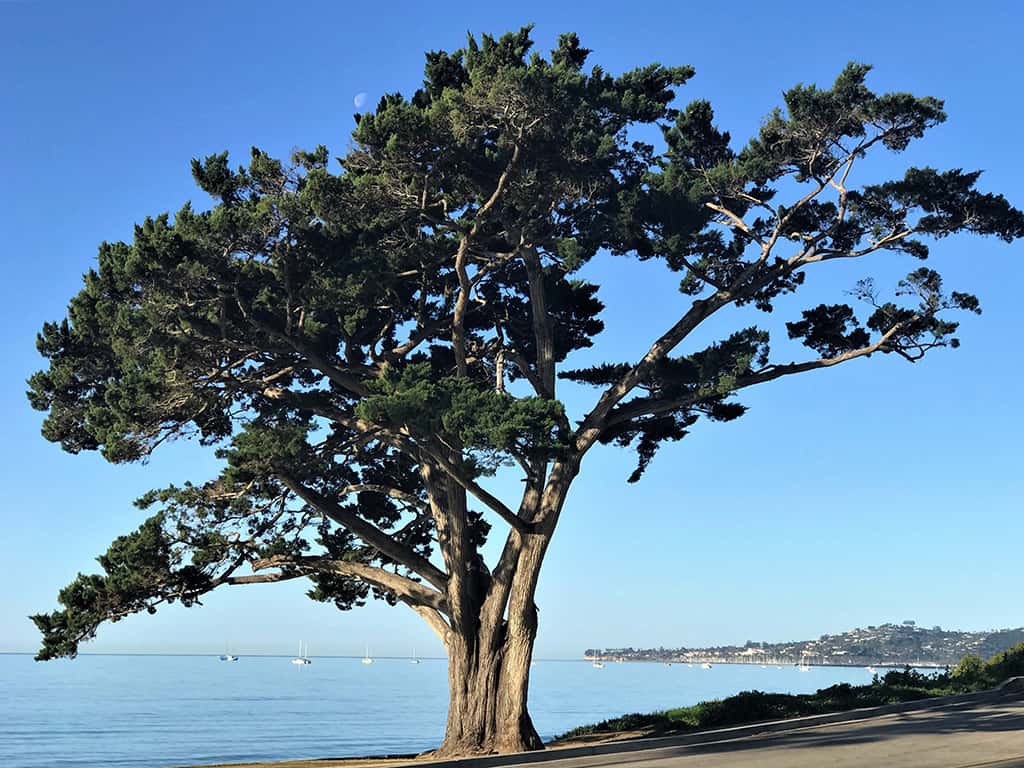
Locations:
(147, 711)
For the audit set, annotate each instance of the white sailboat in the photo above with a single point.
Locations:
(598, 665)
(227, 655)
(302, 658)
(705, 665)
(413, 660)
(366, 659)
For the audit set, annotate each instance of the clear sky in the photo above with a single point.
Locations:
(880, 491)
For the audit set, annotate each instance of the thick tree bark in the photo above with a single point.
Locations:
(488, 679)
(489, 654)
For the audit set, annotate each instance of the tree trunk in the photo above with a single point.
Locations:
(490, 649)
(488, 680)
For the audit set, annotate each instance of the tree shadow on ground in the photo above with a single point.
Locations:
(999, 715)
(962, 718)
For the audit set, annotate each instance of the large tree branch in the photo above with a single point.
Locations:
(885, 241)
(542, 333)
(594, 422)
(337, 375)
(366, 531)
(430, 605)
(839, 165)
(501, 577)
(434, 618)
(420, 334)
(385, 490)
(461, 305)
(516, 358)
(736, 221)
(261, 578)
(462, 301)
(744, 286)
(343, 379)
(408, 590)
(369, 432)
(407, 443)
(640, 408)
(495, 504)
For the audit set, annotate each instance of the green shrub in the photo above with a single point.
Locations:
(896, 686)
(969, 672)
(1009, 663)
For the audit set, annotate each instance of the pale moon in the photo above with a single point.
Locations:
(360, 100)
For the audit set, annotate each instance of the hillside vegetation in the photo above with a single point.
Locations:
(882, 645)
(970, 674)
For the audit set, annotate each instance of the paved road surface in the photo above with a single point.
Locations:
(969, 735)
(984, 732)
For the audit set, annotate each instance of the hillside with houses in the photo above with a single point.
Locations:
(885, 645)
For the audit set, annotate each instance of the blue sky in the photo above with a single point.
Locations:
(879, 491)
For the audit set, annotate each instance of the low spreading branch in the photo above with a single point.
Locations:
(366, 531)
(408, 590)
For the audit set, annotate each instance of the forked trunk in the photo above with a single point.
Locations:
(490, 646)
(488, 686)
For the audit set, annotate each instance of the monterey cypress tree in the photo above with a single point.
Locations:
(364, 344)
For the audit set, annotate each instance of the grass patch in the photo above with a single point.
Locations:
(971, 674)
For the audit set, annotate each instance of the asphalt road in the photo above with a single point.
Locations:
(968, 735)
(983, 731)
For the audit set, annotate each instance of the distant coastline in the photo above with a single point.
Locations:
(884, 646)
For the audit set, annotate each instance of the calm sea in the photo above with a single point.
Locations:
(147, 711)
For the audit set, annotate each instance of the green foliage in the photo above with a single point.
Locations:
(1002, 666)
(141, 570)
(755, 706)
(340, 333)
(829, 330)
(480, 418)
(972, 673)
(701, 383)
(896, 686)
